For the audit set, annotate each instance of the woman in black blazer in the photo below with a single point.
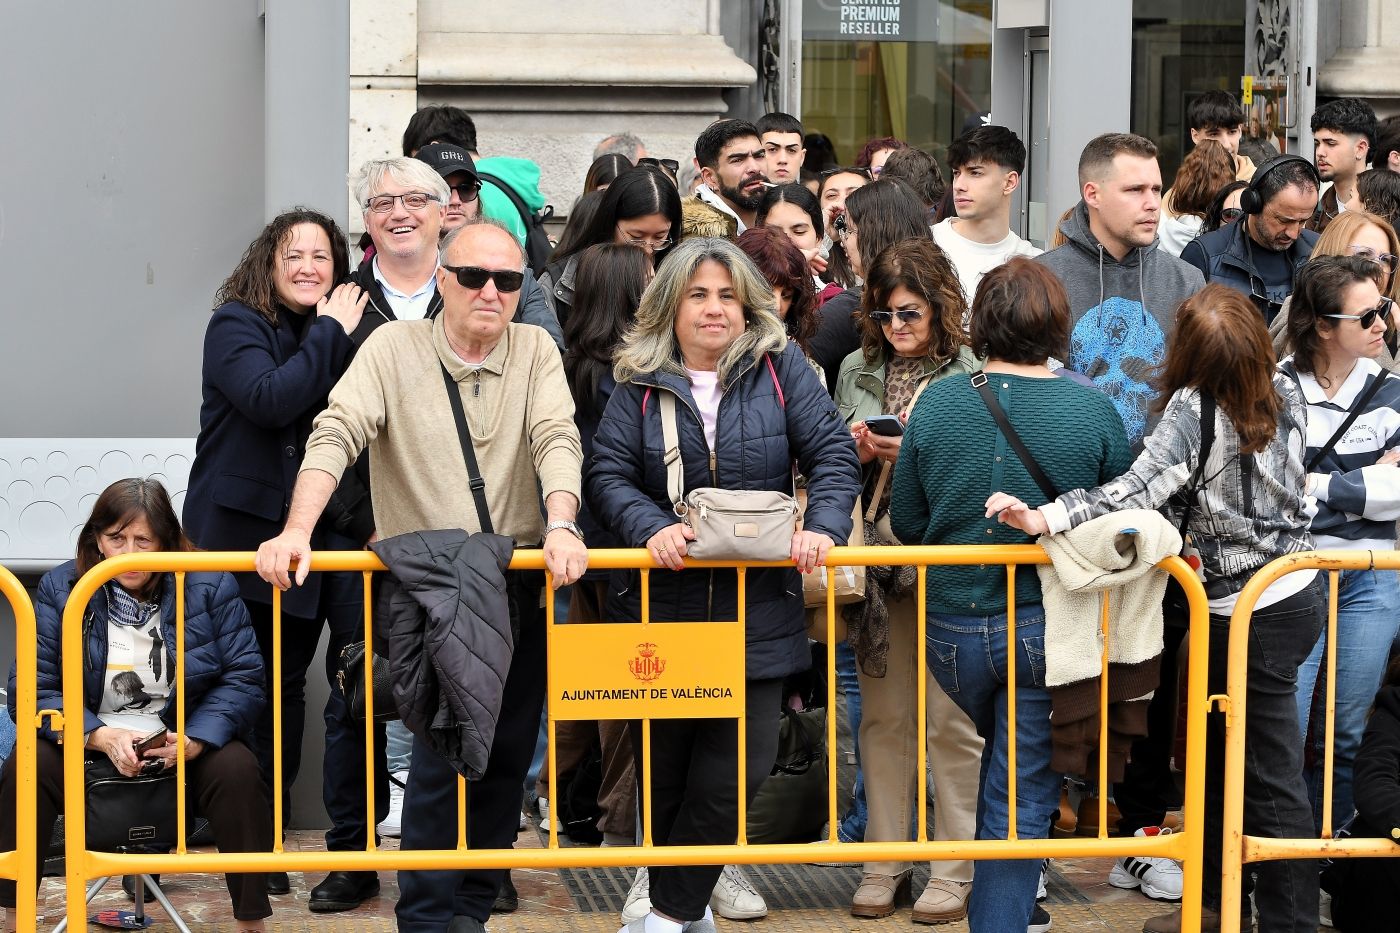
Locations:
(276, 344)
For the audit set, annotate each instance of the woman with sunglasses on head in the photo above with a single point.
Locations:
(1224, 207)
(910, 320)
(1336, 325)
(1362, 234)
(1247, 507)
(640, 208)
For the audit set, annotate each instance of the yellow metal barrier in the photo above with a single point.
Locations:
(21, 863)
(711, 664)
(1239, 848)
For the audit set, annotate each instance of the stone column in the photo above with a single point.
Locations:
(383, 83)
(1367, 64)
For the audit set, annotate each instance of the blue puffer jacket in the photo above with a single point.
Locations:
(224, 689)
(757, 438)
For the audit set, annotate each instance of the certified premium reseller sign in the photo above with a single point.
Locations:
(662, 670)
(871, 20)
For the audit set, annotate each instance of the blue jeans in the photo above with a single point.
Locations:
(398, 747)
(7, 735)
(852, 828)
(1368, 617)
(967, 655)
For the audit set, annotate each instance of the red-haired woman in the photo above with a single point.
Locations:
(1248, 499)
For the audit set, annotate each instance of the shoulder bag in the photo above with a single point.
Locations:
(729, 524)
(129, 811)
(350, 675)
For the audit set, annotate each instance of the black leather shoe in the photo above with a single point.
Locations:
(129, 886)
(507, 901)
(344, 890)
(278, 883)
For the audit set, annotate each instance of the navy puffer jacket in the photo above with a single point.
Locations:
(224, 689)
(757, 438)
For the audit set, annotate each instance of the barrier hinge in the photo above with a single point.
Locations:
(54, 716)
(1220, 701)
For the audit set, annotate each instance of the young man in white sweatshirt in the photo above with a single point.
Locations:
(986, 163)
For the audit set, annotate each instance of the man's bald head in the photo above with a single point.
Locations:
(477, 233)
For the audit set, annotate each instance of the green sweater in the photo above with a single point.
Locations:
(953, 457)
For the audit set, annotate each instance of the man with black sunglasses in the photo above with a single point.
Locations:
(518, 414)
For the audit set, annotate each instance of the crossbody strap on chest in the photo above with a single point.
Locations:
(474, 480)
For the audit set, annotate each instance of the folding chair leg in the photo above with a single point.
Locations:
(164, 902)
(92, 890)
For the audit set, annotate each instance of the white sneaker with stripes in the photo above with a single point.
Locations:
(1158, 878)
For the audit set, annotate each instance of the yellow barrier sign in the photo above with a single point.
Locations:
(662, 670)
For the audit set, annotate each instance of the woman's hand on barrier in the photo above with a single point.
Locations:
(166, 753)
(1009, 510)
(119, 745)
(809, 550)
(346, 304)
(668, 546)
(276, 556)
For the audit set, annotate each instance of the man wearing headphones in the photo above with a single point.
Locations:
(1260, 253)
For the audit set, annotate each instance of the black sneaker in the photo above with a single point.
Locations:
(1040, 921)
(507, 901)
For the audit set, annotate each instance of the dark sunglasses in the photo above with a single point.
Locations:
(1231, 214)
(905, 315)
(506, 280)
(467, 190)
(670, 165)
(1366, 319)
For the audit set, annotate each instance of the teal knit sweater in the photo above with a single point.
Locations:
(953, 457)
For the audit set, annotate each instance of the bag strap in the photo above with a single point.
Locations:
(1357, 408)
(477, 484)
(675, 467)
(1207, 442)
(979, 382)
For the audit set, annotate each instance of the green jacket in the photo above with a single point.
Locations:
(860, 387)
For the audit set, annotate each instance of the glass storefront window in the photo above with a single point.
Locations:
(912, 69)
(1181, 49)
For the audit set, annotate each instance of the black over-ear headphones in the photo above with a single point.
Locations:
(1251, 201)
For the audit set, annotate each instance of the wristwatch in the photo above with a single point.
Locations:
(567, 526)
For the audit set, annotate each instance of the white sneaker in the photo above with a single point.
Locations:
(1324, 909)
(1040, 893)
(638, 903)
(392, 824)
(734, 898)
(1158, 878)
(543, 806)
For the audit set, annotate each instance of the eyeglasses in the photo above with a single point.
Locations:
(1231, 214)
(905, 315)
(1386, 260)
(1266, 305)
(413, 201)
(655, 244)
(670, 165)
(507, 280)
(1366, 319)
(467, 191)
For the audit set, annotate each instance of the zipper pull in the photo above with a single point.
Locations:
(476, 386)
(712, 465)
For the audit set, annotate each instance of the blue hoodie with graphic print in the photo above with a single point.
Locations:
(1121, 313)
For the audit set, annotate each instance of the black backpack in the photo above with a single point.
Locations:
(537, 245)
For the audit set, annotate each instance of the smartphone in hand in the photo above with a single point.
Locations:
(154, 740)
(885, 425)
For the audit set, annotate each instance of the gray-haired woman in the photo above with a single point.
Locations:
(749, 406)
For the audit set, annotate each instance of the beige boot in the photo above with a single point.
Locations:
(880, 895)
(943, 901)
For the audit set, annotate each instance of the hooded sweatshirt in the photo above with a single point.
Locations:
(522, 175)
(1120, 314)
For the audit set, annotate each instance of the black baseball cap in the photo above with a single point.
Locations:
(447, 159)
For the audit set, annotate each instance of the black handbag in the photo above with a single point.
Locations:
(123, 812)
(350, 675)
(791, 802)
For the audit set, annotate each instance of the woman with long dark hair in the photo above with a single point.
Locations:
(129, 686)
(795, 211)
(1248, 507)
(910, 319)
(278, 340)
(640, 208)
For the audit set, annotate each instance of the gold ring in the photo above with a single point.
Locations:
(663, 547)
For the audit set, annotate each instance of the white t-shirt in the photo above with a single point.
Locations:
(972, 260)
(705, 387)
(136, 684)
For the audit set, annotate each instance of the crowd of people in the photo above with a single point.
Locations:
(1207, 366)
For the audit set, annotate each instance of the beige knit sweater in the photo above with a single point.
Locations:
(392, 400)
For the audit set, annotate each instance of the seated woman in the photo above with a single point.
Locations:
(1248, 509)
(129, 688)
(748, 406)
(952, 457)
